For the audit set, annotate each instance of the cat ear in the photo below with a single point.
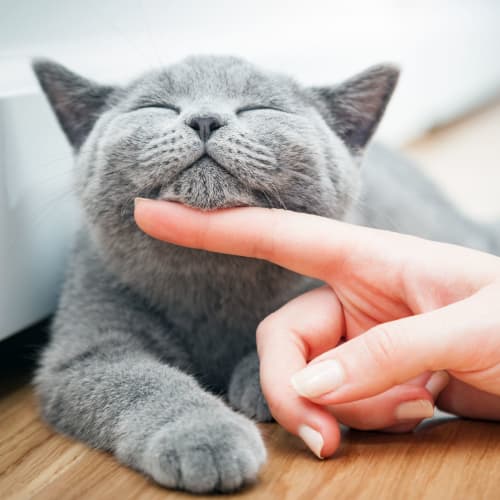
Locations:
(354, 108)
(76, 101)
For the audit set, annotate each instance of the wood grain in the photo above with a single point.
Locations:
(446, 458)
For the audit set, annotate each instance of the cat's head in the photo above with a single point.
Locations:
(214, 132)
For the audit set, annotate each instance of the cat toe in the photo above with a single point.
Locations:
(220, 454)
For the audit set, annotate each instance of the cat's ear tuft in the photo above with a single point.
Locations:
(354, 108)
(76, 101)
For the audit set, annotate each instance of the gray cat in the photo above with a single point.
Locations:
(151, 340)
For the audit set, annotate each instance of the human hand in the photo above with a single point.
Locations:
(422, 307)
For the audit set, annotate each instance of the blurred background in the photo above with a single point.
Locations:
(445, 113)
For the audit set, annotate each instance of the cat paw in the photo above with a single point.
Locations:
(219, 452)
(245, 393)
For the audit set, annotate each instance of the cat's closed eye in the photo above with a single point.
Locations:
(257, 107)
(164, 106)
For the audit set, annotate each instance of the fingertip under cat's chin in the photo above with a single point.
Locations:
(139, 205)
(145, 213)
(139, 200)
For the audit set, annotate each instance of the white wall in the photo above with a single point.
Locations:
(448, 51)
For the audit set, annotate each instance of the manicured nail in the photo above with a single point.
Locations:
(318, 379)
(313, 439)
(415, 410)
(437, 382)
(139, 200)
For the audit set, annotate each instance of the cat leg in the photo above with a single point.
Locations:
(244, 391)
(110, 377)
(152, 416)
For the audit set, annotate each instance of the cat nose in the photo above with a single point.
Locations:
(205, 125)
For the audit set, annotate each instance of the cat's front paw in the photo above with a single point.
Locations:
(245, 393)
(218, 452)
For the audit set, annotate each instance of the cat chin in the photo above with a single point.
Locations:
(207, 185)
(208, 205)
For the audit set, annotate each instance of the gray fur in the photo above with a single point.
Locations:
(147, 332)
(244, 390)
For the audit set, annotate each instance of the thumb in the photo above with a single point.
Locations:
(450, 338)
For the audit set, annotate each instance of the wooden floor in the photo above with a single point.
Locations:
(447, 458)
(464, 159)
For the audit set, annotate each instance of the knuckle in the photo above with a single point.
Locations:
(382, 346)
(202, 236)
(267, 327)
(266, 245)
(262, 329)
(276, 407)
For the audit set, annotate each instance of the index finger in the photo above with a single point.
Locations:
(307, 244)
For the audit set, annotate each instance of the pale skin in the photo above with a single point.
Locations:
(401, 324)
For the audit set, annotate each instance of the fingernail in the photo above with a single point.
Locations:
(437, 382)
(139, 200)
(318, 379)
(415, 410)
(313, 439)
